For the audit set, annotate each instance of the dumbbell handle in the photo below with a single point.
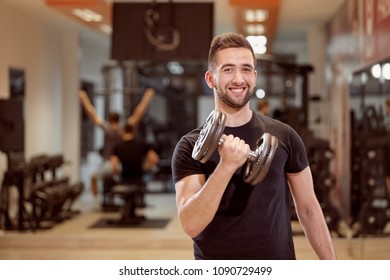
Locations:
(252, 155)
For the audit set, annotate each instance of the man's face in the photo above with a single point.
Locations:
(233, 77)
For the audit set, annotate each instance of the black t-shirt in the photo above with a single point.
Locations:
(131, 154)
(252, 222)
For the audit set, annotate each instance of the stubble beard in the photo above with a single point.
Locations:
(225, 98)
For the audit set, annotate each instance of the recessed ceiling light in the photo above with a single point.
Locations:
(386, 71)
(255, 15)
(106, 28)
(87, 15)
(258, 43)
(376, 71)
(255, 29)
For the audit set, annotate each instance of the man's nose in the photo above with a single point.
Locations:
(238, 78)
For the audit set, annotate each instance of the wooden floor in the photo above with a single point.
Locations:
(73, 239)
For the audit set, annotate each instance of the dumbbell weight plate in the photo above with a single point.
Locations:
(209, 136)
(215, 140)
(258, 161)
(255, 170)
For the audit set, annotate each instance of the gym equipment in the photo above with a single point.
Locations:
(129, 194)
(11, 125)
(320, 156)
(44, 198)
(133, 91)
(332, 216)
(369, 152)
(258, 161)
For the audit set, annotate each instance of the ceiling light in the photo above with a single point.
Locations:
(258, 43)
(261, 15)
(376, 71)
(87, 15)
(106, 28)
(386, 71)
(260, 93)
(175, 67)
(255, 29)
(257, 40)
(257, 15)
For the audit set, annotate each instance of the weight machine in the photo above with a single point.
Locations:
(39, 199)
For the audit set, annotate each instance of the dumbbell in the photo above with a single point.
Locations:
(258, 162)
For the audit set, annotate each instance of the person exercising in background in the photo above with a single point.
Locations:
(263, 107)
(112, 131)
(131, 158)
(226, 217)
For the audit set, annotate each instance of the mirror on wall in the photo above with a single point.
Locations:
(370, 88)
(370, 147)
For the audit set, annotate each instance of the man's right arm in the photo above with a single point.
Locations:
(197, 199)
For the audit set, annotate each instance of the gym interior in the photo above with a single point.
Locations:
(324, 70)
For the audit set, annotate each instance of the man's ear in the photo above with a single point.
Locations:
(209, 77)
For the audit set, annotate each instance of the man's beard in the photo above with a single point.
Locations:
(222, 94)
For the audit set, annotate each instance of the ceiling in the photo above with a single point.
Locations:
(287, 19)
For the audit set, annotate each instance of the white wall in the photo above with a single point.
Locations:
(94, 54)
(50, 55)
(316, 57)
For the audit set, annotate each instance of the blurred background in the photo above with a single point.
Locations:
(323, 67)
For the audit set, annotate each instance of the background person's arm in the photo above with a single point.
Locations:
(89, 108)
(141, 108)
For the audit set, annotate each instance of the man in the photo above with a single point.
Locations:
(112, 131)
(131, 158)
(227, 218)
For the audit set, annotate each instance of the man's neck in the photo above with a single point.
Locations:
(128, 136)
(236, 117)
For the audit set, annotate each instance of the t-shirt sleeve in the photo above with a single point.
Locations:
(297, 160)
(183, 164)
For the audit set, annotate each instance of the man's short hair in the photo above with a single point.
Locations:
(225, 41)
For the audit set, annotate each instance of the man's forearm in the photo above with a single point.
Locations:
(199, 209)
(317, 233)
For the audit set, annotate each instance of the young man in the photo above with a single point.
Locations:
(131, 158)
(112, 131)
(226, 217)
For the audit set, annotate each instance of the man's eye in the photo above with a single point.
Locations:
(227, 70)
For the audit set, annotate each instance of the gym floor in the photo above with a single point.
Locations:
(73, 239)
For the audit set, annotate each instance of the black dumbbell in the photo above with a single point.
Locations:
(258, 162)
